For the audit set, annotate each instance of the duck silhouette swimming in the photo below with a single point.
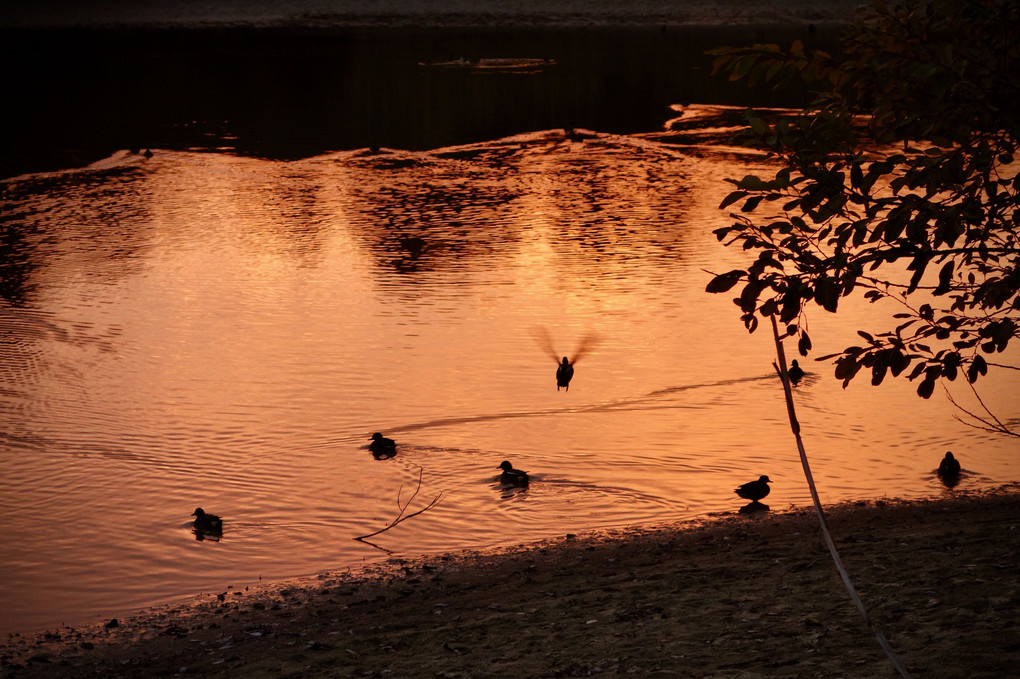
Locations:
(207, 523)
(949, 470)
(511, 476)
(795, 373)
(754, 490)
(382, 447)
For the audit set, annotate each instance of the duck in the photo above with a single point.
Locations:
(564, 365)
(511, 476)
(795, 373)
(949, 467)
(564, 373)
(754, 490)
(208, 523)
(382, 447)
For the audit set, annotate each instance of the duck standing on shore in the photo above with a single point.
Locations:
(511, 476)
(754, 490)
(382, 448)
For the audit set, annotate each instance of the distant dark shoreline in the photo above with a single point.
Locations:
(417, 14)
(77, 95)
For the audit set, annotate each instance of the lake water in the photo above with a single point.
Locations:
(205, 328)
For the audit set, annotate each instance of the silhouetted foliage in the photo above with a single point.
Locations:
(898, 182)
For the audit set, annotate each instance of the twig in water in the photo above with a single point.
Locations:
(403, 508)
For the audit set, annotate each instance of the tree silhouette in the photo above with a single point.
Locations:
(898, 182)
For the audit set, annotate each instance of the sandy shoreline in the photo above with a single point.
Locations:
(736, 597)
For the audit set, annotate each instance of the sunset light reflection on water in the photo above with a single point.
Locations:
(207, 330)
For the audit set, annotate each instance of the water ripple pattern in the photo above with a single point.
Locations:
(198, 329)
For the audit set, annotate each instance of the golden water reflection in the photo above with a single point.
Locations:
(205, 330)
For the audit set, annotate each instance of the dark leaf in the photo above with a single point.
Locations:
(804, 344)
(725, 281)
(898, 362)
(732, 198)
(918, 369)
(926, 387)
(791, 306)
(751, 203)
(978, 366)
(845, 367)
(918, 265)
(752, 183)
(878, 371)
(826, 293)
(856, 176)
(749, 296)
(945, 278)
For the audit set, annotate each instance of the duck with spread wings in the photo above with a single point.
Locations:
(564, 365)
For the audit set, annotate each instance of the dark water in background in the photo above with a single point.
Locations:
(75, 95)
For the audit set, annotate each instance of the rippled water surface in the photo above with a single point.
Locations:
(208, 330)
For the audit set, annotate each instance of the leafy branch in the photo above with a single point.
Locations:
(898, 180)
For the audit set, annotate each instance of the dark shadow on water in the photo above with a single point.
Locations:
(509, 491)
(210, 534)
(78, 95)
(16, 266)
(754, 507)
(374, 545)
(949, 480)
